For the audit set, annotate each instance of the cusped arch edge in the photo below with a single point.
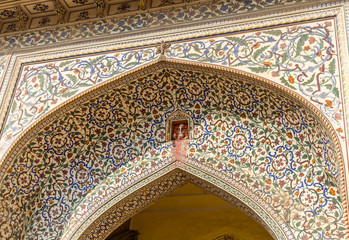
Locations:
(30, 133)
(140, 195)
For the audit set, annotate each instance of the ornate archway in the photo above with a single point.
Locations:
(244, 131)
(99, 227)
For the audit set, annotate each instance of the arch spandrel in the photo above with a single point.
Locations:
(114, 133)
(302, 57)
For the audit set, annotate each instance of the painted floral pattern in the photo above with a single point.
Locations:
(138, 21)
(46, 85)
(258, 137)
(302, 58)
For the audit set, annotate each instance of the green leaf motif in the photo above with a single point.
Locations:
(69, 93)
(14, 106)
(62, 64)
(234, 39)
(41, 81)
(284, 57)
(27, 114)
(273, 32)
(309, 81)
(95, 60)
(259, 69)
(300, 44)
(259, 52)
(283, 80)
(332, 67)
(196, 48)
(193, 55)
(328, 86)
(336, 92)
(72, 77)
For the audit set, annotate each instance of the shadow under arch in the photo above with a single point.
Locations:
(30, 134)
(166, 180)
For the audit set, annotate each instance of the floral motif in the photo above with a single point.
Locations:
(280, 162)
(83, 15)
(55, 211)
(60, 139)
(11, 27)
(6, 230)
(81, 176)
(194, 89)
(260, 145)
(40, 7)
(238, 141)
(123, 7)
(24, 178)
(81, 2)
(45, 85)
(44, 21)
(243, 98)
(149, 94)
(102, 115)
(8, 13)
(301, 57)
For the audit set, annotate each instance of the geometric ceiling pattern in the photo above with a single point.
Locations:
(21, 15)
(34, 14)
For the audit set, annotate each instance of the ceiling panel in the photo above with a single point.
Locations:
(43, 13)
(39, 8)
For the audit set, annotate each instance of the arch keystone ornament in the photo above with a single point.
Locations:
(93, 159)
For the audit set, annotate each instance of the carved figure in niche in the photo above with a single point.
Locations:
(180, 130)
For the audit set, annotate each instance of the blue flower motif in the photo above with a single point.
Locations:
(224, 8)
(100, 28)
(83, 29)
(270, 39)
(63, 34)
(247, 2)
(28, 40)
(47, 35)
(121, 23)
(180, 15)
(12, 41)
(139, 22)
(161, 16)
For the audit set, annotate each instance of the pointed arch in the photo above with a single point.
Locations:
(43, 135)
(161, 183)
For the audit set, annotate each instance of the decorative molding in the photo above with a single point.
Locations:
(60, 10)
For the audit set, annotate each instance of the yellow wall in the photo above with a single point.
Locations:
(189, 213)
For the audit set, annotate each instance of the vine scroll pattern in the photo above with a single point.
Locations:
(259, 138)
(302, 58)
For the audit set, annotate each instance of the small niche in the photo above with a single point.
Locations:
(178, 126)
(179, 129)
